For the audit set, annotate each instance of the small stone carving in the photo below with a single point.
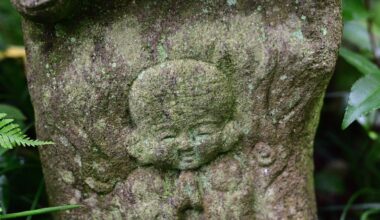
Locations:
(267, 155)
(271, 160)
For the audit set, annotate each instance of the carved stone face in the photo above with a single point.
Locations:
(183, 114)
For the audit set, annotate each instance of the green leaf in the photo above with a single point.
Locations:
(363, 64)
(375, 12)
(12, 112)
(356, 33)
(11, 135)
(364, 98)
(39, 211)
(353, 198)
(366, 215)
(10, 24)
(354, 9)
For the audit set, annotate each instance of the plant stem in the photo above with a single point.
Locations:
(36, 198)
(39, 211)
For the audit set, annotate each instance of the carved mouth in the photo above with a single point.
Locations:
(188, 160)
(188, 154)
(187, 157)
(37, 4)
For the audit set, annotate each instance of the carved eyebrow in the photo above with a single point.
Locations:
(207, 122)
(160, 127)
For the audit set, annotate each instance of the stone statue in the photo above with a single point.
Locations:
(180, 109)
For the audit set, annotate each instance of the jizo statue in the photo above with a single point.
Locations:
(177, 109)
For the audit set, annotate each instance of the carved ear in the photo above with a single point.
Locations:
(132, 139)
(145, 149)
(232, 134)
(46, 11)
(133, 144)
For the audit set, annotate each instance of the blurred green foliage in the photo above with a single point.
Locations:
(20, 169)
(347, 162)
(10, 31)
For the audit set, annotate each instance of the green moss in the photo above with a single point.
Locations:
(67, 176)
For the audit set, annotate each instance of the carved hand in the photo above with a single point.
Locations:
(46, 11)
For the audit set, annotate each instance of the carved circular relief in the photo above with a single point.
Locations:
(265, 154)
(181, 110)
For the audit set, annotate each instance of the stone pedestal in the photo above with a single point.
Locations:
(179, 109)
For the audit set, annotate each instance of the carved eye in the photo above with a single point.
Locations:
(205, 129)
(203, 134)
(168, 137)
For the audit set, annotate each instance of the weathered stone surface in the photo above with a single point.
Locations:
(181, 109)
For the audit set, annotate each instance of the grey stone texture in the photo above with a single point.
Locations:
(180, 109)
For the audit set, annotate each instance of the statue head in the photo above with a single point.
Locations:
(184, 115)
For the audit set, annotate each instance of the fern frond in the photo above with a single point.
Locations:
(12, 136)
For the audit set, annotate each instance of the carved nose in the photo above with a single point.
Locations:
(185, 146)
(185, 143)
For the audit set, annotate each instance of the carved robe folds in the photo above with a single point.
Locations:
(180, 109)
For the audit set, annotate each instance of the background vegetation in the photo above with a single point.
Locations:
(347, 161)
(21, 181)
